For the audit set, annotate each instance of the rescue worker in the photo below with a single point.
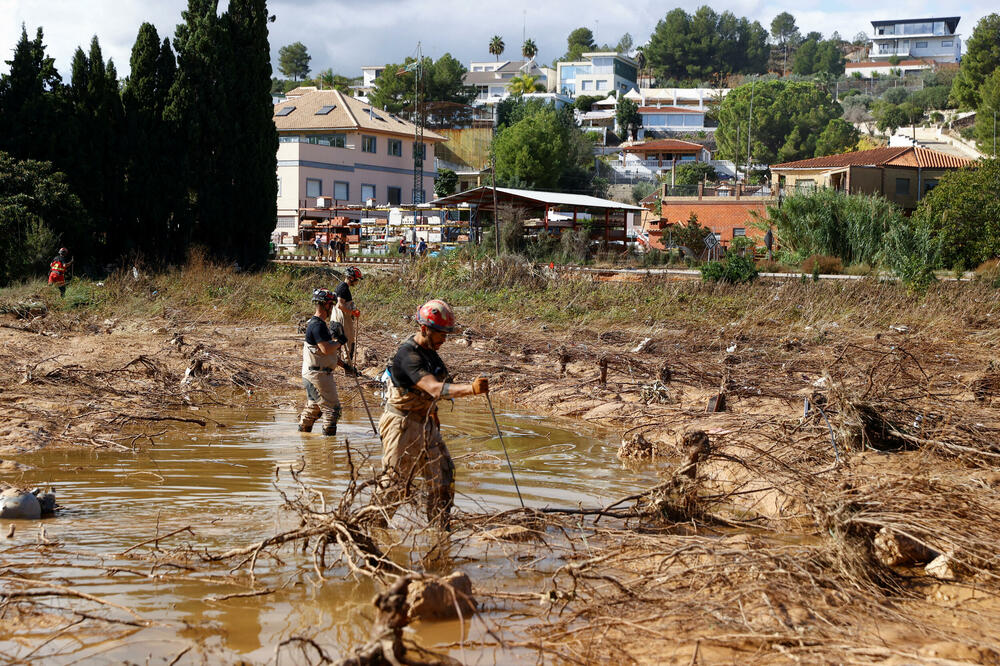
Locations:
(320, 356)
(409, 427)
(345, 313)
(57, 270)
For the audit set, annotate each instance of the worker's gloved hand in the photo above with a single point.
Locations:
(480, 385)
(350, 370)
(356, 314)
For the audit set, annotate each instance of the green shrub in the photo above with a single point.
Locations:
(734, 269)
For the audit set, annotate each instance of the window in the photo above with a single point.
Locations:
(325, 110)
(284, 111)
(602, 84)
(341, 191)
(395, 196)
(902, 187)
(739, 231)
(368, 143)
(396, 147)
(336, 140)
(946, 43)
(805, 184)
(920, 45)
(367, 192)
(279, 186)
(420, 150)
(929, 185)
(585, 84)
(314, 187)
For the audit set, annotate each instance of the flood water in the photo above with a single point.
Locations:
(220, 481)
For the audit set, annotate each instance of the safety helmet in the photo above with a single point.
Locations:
(436, 314)
(323, 296)
(353, 273)
(63, 250)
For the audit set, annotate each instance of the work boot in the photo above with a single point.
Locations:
(330, 430)
(304, 427)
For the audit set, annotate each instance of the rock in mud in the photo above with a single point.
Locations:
(943, 567)
(26, 505)
(894, 550)
(441, 598)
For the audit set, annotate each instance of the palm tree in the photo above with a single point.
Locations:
(525, 83)
(496, 46)
(529, 49)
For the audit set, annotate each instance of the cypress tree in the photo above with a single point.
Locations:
(29, 101)
(256, 190)
(199, 111)
(152, 179)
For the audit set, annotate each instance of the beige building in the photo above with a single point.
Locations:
(902, 175)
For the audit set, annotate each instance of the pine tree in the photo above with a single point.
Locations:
(29, 101)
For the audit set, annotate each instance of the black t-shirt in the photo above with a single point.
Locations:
(412, 362)
(317, 331)
(343, 291)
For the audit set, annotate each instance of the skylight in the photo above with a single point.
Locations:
(323, 110)
(285, 111)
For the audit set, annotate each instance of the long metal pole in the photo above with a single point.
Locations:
(357, 382)
(500, 435)
(749, 125)
(496, 214)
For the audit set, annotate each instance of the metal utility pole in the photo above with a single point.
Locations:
(496, 213)
(749, 127)
(418, 135)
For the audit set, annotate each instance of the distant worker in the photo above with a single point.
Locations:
(422, 248)
(331, 247)
(342, 248)
(346, 313)
(58, 268)
(318, 245)
(320, 356)
(409, 427)
(402, 246)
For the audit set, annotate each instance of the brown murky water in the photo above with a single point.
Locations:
(220, 481)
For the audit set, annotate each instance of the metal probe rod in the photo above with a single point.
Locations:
(506, 455)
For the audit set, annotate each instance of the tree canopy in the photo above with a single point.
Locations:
(706, 44)
(543, 148)
(497, 46)
(989, 109)
(788, 119)
(627, 116)
(578, 42)
(529, 49)
(818, 57)
(293, 61)
(395, 90)
(981, 59)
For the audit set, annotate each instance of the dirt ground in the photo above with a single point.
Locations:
(759, 547)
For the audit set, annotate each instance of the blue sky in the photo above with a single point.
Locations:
(345, 34)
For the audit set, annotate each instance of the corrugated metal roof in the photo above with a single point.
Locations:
(537, 196)
(877, 157)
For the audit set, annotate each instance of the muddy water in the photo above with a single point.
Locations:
(220, 481)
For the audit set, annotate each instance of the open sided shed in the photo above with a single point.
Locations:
(553, 211)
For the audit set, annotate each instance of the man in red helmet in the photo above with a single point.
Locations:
(320, 355)
(345, 313)
(409, 427)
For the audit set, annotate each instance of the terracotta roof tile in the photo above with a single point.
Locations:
(898, 156)
(348, 114)
(662, 144)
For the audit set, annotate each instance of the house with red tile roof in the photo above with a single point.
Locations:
(902, 174)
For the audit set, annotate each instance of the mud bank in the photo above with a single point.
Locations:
(830, 434)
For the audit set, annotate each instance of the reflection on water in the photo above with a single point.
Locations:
(220, 481)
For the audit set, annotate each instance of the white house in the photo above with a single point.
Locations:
(598, 73)
(916, 39)
(492, 79)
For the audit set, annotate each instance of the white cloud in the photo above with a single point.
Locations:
(345, 34)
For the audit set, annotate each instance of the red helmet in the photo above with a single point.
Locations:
(353, 273)
(323, 296)
(63, 250)
(436, 314)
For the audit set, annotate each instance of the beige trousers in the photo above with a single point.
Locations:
(412, 446)
(347, 321)
(321, 400)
